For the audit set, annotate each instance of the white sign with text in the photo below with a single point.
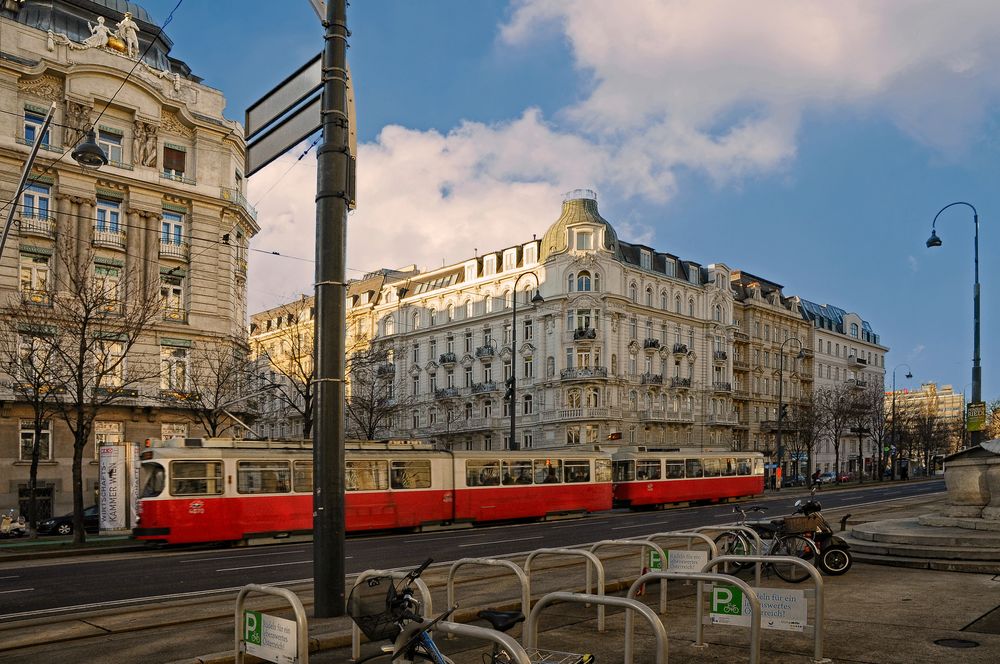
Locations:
(269, 637)
(780, 609)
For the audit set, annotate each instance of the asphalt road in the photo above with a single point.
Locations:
(43, 588)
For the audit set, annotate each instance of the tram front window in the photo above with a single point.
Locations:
(153, 477)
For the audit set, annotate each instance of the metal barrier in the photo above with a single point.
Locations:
(301, 623)
(641, 543)
(425, 599)
(700, 577)
(531, 625)
(817, 591)
(754, 535)
(491, 562)
(591, 560)
(508, 643)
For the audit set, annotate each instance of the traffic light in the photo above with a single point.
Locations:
(509, 394)
(784, 411)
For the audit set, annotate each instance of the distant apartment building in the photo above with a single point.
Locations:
(166, 213)
(931, 401)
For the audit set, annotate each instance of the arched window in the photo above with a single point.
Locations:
(649, 296)
(649, 329)
(691, 308)
(677, 303)
(415, 321)
(451, 312)
(583, 282)
(488, 303)
(614, 364)
(597, 282)
(433, 316)
(663, 300)
(508, 299)
(468, 411)
(633, 292)
(527, 405)
(593, 397)
(550, 367)
(390, 326)
(573, 399)
(569, 283)
(488, 408)
(854, 330)
(633, 400)
(717, 315)
(470, 308)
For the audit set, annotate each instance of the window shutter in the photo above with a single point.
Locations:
(173, 160)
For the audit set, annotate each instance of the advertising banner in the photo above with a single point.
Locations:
(114, 487)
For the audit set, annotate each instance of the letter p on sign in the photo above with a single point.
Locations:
(251, 627)
(727, 600)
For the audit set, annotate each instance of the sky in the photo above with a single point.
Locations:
(809, 143)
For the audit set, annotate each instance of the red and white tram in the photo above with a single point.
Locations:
(209, 490)
(655, 478)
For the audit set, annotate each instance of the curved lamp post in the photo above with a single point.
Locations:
(781, 406)
(909, 374)
(511, 393)
(935, 241)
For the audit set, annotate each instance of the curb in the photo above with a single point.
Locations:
(67, 552)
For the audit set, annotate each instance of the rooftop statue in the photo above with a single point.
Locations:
(98, 34)
(128, 32)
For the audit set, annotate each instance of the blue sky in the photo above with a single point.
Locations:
(810, 143)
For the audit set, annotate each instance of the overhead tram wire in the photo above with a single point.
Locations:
(288, 170)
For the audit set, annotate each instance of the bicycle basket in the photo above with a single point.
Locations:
(369, 608)
(801, 524)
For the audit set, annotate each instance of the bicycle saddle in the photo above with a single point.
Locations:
(501, 620)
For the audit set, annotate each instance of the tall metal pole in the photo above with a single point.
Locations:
(24, 175)
(332, 187)
(893, 456)
(781, 385)
(512, 404)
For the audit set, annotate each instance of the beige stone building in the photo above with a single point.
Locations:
(168, 211)
(931, 400)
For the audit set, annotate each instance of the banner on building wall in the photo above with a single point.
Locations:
(119, 486)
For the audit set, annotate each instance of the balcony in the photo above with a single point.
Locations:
(722, 387)
(175, 176)
(176, 250)
(582, 333)
(42, 298)
(651, 379)
(565, 414)
(680, 349)
(40, 226)
(175, 315)
(770, 426)
(742, 337)
(447, 360)
(857, 360)
(584, 373)
(483, 388)
(109, 238)
(446, 393)
(657, 415)
(857, 383)
(241, 266)
(720, 356)
(236, 197)
(741, 394)
(680, 382)
(721, 419)
(171, 394)
(486, 352)
(741, 365)
(651, 344)
(385, 369)
(114, 391)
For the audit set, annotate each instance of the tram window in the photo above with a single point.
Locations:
(517, 472)
(602, 470)
(728, 467)
(713, 467)
(302, 476)
(482, 472)
(743, 467)
(647, 469)
(548, 471)
(675, 470)
(758, 466)
(263, 477)
(693, 467)
(195, 478)
(624, 471)
(153, 477)
(367, 475)
(577, 471)
(410, 474)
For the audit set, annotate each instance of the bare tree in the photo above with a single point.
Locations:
(287, 367)
(809, 428)
(374, 397)
(29, 362)
(835, 409)
(98, 315)
(993, 419)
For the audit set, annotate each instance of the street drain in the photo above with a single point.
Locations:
(957, 643)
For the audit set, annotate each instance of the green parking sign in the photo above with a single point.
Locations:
(727, 606)
(654, 560)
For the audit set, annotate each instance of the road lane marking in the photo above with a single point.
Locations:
(582, 522)
(435, 539)
(8, 577)
(520, 539)
(293, 562)
(22, 590)
(248, 555)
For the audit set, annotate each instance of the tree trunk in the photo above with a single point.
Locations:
(33, 482)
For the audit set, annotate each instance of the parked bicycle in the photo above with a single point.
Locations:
(385, 608)
(775, 540)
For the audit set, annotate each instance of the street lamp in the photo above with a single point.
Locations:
(89, 154)
(977, 376)
(511, 394)
(909, 374)
(781, 406)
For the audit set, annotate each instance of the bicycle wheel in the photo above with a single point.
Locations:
(734, 543)
(795, 546)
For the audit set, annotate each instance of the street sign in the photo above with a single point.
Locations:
(284, 96)
(284, 135)
(780, 609)
(975, 416)
(270, 638)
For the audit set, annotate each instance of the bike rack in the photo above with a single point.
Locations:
(758, 544)
(301, 623)
(531, 625)
(508, 643)
(817, 592)
(491, 562)
(700, 577)
(641, 543)
(591, 560)
(425, 599)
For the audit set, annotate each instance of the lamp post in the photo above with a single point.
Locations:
(909, 374)
(781, 405)
(511, 394)
(935, 241)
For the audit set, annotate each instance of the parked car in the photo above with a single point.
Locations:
(826, 478)
(63, 525)
(794, 481)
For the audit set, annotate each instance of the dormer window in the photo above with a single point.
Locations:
(489, 265)
(645, 260)
(470, 271)
(668, 267)
(509, 259)
(584, 240)
(530, 254)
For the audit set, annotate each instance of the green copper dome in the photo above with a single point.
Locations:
(579, 207)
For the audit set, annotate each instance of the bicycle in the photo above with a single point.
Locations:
(776, 541)
(384, 608)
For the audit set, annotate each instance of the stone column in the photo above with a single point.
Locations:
(65, 236)
(134, 268)
(84, 226)
(152, 249)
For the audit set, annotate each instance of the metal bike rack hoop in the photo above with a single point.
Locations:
(754, 535)
(646, 545)
(505, 641)
(425, 599)
(591, 560)
(301, 622)
(531, 625)
(522, 578)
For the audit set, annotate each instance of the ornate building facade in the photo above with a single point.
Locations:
(167, 213)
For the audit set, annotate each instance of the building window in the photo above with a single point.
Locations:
(529, 367)
(528, 330)
(468, 376)
(107, 433)
(107, 281)
(526, 410)
(677, 304)
(34, 277)
(468, 342)
(487, 373)
(633, 292)
(854, 330)
(584, 240)
(389, 326)
(415, 322)
(583, 281)
(35, 201)
(509, 259)
(527, 440)
(111, 142)
(717, 313)
(449, 378)
(507, 370)
(530, 254)
(173, 368)
(433, 317)
(470, 309)
(108, 215)
(28, 441)
(173, 162)
(572, 436)
(32, 126)
(488, 408)
(172, 228)
(109, 363)
(416, 385)
(691, 308)
(489, 265)
(172, 298)
(645, 260)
